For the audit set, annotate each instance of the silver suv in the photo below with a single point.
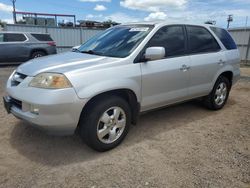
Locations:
(19, 47)
(100, 88)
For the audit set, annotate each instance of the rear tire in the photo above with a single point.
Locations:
(106, 123)
(219, 95)
(37, 54)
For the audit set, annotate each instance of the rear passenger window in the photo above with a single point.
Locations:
(42, 37)
(225, 38)
(201, 40)
(14, 37)
(171, 38)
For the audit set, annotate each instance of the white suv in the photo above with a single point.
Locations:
(100, 88)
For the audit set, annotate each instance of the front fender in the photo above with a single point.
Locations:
(108, 85)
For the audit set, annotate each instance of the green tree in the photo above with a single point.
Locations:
(109, 23)
(2, 23)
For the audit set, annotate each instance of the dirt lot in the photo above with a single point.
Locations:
(181, 146)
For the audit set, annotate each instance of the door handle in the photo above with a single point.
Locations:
(184, 68)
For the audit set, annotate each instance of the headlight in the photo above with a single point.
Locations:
(50, 81)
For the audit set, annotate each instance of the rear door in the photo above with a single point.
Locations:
(206, 56)
(14, 47)
(165, 81)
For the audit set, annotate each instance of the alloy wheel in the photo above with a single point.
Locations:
(111, 125)
(220, 94)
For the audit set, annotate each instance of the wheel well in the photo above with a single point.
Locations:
(127, 94)
(38, 50)
(228, 75)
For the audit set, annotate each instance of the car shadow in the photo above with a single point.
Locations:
(55, 151)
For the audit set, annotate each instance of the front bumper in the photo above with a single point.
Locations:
(57, 110)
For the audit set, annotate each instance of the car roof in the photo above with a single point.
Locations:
(162, 23)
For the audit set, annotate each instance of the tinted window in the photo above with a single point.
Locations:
(1, 37)
(171, 38)
(42, 37)
(201, 40)
(225, 38)
(14, 37)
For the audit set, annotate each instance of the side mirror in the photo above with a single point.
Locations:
(154, 53)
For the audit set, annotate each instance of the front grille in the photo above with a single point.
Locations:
(17, 78)
(16, 103)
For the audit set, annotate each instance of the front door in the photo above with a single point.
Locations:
(165, 81)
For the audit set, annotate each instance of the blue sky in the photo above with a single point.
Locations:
(138, 10)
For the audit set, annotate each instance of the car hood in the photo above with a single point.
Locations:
(64, 62)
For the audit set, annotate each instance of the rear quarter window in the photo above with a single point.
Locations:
(14, 37)
(225, 38)
(42, 37)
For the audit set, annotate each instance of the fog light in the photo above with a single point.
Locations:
(34, 109)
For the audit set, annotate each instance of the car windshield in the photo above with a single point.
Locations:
(119, 41)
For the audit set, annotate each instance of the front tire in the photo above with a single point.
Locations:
(219, 95)
(106, 123)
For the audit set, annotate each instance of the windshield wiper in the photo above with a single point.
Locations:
(91, 52)
(76, 50)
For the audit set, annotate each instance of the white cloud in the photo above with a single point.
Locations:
(100, 8)
(89, 16)
(5, 8)
(122, 18)
(117, 17)
(200, 16)
(8, 20)
(97, 17)
(94, 1)
(152, 5)
(237, 12)
(156, 16)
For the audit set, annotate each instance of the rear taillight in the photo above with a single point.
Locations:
(52, 43)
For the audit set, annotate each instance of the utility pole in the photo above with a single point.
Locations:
(14, 10)
(229, 19)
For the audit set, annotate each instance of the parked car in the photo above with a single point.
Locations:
(19, 47)
(75, 48)
(100, 89)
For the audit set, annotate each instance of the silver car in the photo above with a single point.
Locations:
(22, 46)
(99, 89)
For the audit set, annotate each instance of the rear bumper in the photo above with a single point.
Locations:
(55, 111)
(51, 50)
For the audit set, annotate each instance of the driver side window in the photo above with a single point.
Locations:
(171, 38)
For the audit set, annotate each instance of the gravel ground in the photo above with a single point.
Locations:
(180, 146)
